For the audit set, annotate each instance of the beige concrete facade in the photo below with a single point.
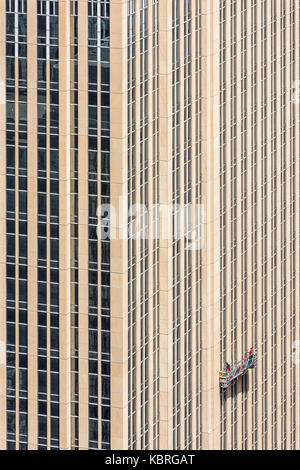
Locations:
(202, 112)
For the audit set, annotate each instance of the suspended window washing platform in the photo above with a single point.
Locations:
(231, 373)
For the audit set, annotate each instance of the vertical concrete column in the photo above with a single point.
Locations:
(165, 189)
(64, 226)
(83, 383)
(119, 264)
(211, 269)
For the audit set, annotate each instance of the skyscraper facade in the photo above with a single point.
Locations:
(149, 223)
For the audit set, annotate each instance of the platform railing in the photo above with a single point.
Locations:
(236, 369)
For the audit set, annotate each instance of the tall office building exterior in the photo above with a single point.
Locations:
(114, 339)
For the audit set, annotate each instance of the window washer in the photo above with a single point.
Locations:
(250, 355)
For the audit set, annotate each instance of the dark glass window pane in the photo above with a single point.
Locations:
(105, 342)
(10, 201)
(105, 278)
(92, 28)
(42, 115)
(42, 51)
(93, 411)
(54, 276)
(92, 162)
(42, 204)
(53, 26)
(42, 408)
(23, 405)
(23, 335)
(54, 142)
(53, 97)
(10, 23)
(93, 277)
(42, 379)
(54, 428)
(105, 189)
(54, 71)
(41, 70)
(92, 73)
(93, 143)
(42, 293)
(93, 430)
(54, 409)
(105, 297)
(10, 49)
(105, 74)
(54, 365)
(54, 52)
(10, 156)
(104, 116)
(22, 25)
(22, 94)
(10, 226)
(54, 294)
(54, 116)
(42, 274)
(54, 205)
(42, 26)
(55, 384)
(22, 246)
(93, 385)
(54, 250)
(93, 202)
(105, 382)
(93, 296)
(11, 378)
(41, 96)
(10, 245)
(54, 160)
(93, 252)
(23, 158)
(93, 340)
(105, 431)
(42, 363)
(54, 338)
(92, 117)
(104, 28)
(23, 424)
(22, 112)
(10, 286)
(10, 270)
(23, 291)
(23, 272)
(22, 53)
(42, 426)
(10, 68)
(105, 412)
(11, 422)
(11, 404)
(23, 379)
(11, 333)
(93, 98)
(10, 112)
(42, 140)
(42, 160)
(104, 99)
(22, 69)
(105, 144)
(23, 201)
